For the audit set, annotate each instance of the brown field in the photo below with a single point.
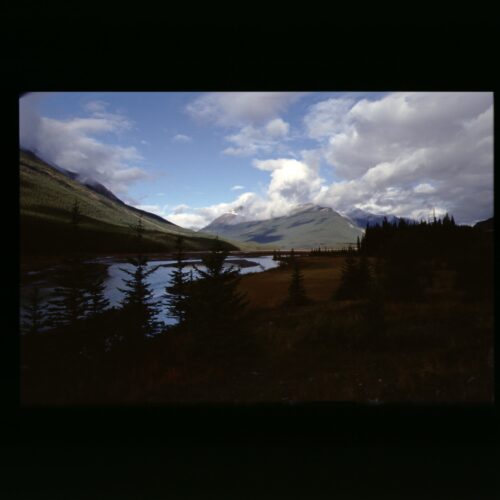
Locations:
(268, 289)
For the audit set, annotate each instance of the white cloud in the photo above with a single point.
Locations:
(181, 138)
(72, 144)
(247, 204)
(327, 118)
(241, 108)
(424, 188)
(252, 140)
(254, 115)
(154, 209)
(237, 188)
(188, 220)
(409, 152)
(292, 182)
(277, 128)
(96, 106)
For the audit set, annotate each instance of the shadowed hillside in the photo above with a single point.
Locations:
(59, 214)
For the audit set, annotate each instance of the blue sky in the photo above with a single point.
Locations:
(192, 156)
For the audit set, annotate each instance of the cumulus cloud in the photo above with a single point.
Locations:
(277, 128)
(327, 118)
(291, 182)
(181, 138)
(254, 117)
(237, 188)
(241, 108)
(407, 153)
(251, 140)
(404, 153)
(72, 144)
(247, 204)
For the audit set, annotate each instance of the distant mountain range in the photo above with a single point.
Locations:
(47, 196)
(307, 226)
(362, 218)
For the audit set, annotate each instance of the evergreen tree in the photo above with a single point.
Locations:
(138, 306)
(216, 303)
(177, 293)
(138, 231)
(97, 301)
(349, 278)
(296, 291)
(70, 303)
(34, 313)
(76, 215)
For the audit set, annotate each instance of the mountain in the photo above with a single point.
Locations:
(227, 219)
(47, 196)
(362, 218)
(487, 225)
(307, 226)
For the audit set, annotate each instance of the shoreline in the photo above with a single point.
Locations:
(34, 262)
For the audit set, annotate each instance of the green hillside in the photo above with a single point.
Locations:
(47, 197)
(309, 226)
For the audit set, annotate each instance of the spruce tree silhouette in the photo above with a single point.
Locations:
(296, 292)
(349, 278)
(217, 305)
(138, 308)
(177, 292)
(138, 231)
(97, 301)
(70, 302)
(76, 215)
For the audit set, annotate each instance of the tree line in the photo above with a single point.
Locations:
(399, 259)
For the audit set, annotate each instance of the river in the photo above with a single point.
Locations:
(158, 280)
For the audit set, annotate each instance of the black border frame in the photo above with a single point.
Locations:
(83, 51)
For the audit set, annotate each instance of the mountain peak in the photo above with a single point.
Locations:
(305, 226)
(226, 219)
(309, 207)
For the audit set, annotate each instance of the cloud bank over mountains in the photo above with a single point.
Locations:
(74, 144)
(405, 153)
(402, 153)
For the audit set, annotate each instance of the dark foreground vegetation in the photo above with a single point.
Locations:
(405, 317)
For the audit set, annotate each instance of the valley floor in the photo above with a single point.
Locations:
(437, 350)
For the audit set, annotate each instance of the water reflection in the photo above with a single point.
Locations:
(158, 279)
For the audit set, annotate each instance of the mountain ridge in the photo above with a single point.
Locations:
(305, 226)
(47, 196)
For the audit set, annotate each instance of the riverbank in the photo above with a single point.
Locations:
(438, 349)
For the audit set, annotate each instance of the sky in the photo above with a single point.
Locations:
(192, 156)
